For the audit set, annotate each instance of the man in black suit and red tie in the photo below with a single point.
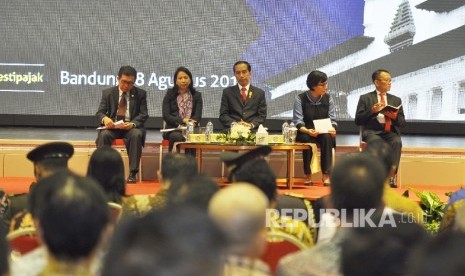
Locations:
(377, 124)
(128, 104)
(243, 103)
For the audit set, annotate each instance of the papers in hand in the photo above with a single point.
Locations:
(172, 129)
(390, 108)
(323, 125)
(117, 125)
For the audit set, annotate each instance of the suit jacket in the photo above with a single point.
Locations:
(364, 117)
(232, 108)
(170, 109)
(137, 105)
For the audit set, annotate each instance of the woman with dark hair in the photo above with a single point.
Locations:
(181, 104)
(106, 166)
(312, 105)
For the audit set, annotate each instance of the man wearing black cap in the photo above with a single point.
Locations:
(48, 159)
(234, 160)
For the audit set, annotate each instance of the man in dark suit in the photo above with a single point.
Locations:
(377, 124)
(243, 103)
(127, 104)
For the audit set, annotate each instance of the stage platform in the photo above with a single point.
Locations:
(434, 163)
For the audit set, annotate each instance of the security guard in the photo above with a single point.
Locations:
(48, 159)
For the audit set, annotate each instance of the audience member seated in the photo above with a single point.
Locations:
(194, 191)
(456, 201)
(443, 255)
(48, 159)
(240, 211)
(235, 160)
(381, 251)
(170, 241)
(356, 186)
(4, 268)
(71, 215)
(107, 167)
(459, 220)
(260, 174)
(173, 165)
(383, 152)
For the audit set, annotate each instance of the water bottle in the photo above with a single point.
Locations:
(292, 133)
(209, 131)
(285, 130)
(189, 130)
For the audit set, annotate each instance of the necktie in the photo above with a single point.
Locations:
(243, 94)
(387, 120)
(122, 107)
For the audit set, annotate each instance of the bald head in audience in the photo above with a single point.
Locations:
(240, 210)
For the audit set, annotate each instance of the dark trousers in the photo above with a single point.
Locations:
(392, 138)
(133, 140)
(174, 137)
(326, 142)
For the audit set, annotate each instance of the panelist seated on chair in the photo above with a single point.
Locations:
(128, 104)
(377, 124)
(181, 104)
(312, 105)
(243, 103)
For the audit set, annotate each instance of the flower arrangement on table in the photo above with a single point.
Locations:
(239, 134)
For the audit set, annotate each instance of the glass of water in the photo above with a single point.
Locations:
(292, 135)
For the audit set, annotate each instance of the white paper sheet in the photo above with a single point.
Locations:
(323, 125)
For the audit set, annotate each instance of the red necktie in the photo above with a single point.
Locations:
(387, 120)
(243, 94)
(122, 106)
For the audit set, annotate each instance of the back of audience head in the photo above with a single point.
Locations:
(357, 182)
(174, 165)
(458, 223)
(443, 255)
(170, 241)
(73, 214)
(194, 191)
(383, 152)
(4, 268)
(107, 167)
(239, 210)
(383, 249)
(259, 173)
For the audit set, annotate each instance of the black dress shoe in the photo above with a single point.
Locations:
(132, 178)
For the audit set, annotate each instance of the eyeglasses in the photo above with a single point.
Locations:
(129, 83)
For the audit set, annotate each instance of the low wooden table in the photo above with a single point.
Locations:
(288, 148)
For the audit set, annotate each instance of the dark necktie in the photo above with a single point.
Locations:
(122, 107)
(243, 94)
(387, 120)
